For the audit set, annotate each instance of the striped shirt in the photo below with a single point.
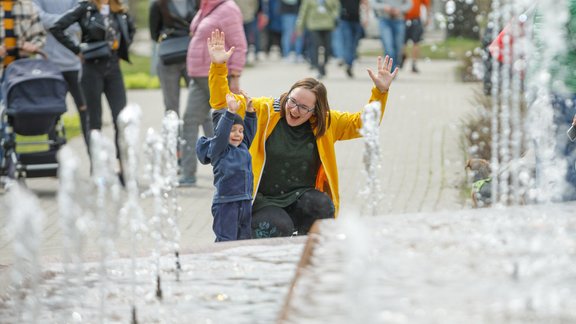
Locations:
(9, 34)
(19, 23)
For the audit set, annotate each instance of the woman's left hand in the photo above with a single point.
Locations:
(384, 76)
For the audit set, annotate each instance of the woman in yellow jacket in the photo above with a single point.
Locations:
(293, 156)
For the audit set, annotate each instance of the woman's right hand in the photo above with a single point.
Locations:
(216, 49)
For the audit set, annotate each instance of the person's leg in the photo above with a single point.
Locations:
(564, 111)
(197, 113)
(73, 82)
(349, 52)
(169, 76)
(399, 31)
(417, 31)
(92, 83)
(225, 224)
(316, 40)
(407, 37)
(338, 44)
(271, 221)
(311, 206)
(326, 43)
(245, 220)
(115, 93)
(387, 37)
(288, 28)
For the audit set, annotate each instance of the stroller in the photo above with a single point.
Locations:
(34, 97)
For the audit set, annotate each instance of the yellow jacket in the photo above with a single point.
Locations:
(343, 126)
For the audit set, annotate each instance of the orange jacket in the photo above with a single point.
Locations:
(414, 12)
(343, 126)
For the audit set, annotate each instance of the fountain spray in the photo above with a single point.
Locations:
(170, 127)
(107, 188)
(371, 134)
(129, 126)
(25, 227)
(73, 222)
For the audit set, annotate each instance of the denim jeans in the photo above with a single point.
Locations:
(103, 77)
(350, 33)
(252, 36)
(392, 36)
(564, 111)
(197, 113)
(170, 76)
(289, 42)
(232, 220)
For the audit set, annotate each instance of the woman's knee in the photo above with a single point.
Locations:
(316, 204)
(271, 222)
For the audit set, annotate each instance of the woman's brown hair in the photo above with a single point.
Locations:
(115, 5)
(321, 119)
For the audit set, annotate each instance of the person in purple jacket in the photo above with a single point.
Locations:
(228, 153)
(213, 14)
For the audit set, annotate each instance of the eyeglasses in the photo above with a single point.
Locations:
(301, 108)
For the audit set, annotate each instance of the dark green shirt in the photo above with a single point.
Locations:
(292, 162)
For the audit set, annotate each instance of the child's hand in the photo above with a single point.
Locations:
(233, 104)
(249, 106)
(216, 49)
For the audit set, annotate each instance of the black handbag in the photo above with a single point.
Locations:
(173, 50)
(95, 50)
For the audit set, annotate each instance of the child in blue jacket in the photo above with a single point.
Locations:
(228, 153)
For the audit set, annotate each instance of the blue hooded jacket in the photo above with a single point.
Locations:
(231, 165)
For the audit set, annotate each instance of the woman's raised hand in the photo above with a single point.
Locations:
(216, 49)
(384, 76)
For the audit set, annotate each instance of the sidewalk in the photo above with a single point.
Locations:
(422, 162)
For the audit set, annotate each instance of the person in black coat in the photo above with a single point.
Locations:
(106, 23)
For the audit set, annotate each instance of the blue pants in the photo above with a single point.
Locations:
(289, 41)
(392, 37)
(232, 220)
(564, 111)
(350, 33)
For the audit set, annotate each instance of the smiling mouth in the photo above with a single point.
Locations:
(292, 115)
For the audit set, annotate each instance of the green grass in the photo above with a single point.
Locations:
(449, 49)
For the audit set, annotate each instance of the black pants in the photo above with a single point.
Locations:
(103, 77)
(71, 78)
(272, 221)
(320, 38)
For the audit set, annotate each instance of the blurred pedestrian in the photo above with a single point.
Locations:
(291, 42)
(251, 10)
(392, 27)
(319, 18)
(22, 33)
(350, 32)
(169, 19)
(68, 62)
(100, 51)
(224, 15)
(274, 26)
(415, 30)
